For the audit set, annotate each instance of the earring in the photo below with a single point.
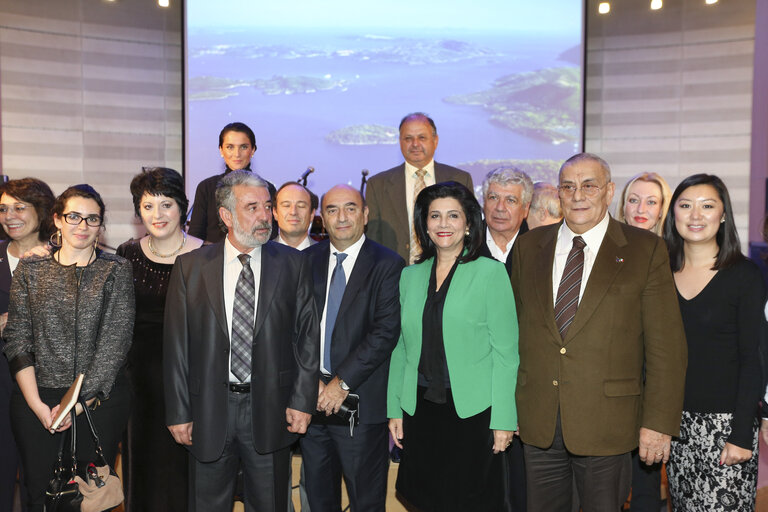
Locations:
(722, 220)
(55, 239)
(466, 233)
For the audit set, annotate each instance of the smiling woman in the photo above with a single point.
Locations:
(160, 203)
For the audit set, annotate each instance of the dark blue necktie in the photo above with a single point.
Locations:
(335, 294)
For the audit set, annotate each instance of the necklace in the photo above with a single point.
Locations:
(174, 253)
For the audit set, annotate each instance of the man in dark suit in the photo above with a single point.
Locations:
(595, 300)
(294, 210)
(239, 316)
(359, 329)
(507, 193)
(391, 194)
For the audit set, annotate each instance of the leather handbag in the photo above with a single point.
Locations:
(91, 487)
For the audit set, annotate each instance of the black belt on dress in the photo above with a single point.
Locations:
(240, 388)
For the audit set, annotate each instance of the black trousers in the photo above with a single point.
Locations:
(329, 451)
(10, 461)
(646, 485)
(602, 483)
(265, 476)
(39, 447)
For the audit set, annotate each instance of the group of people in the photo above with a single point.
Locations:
(529, 353)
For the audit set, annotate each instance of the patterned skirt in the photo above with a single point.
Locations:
(697, 481)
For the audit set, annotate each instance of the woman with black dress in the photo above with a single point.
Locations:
(154, 466)
(451, 391)
(713, 464)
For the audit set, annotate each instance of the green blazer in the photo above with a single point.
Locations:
(480, 337)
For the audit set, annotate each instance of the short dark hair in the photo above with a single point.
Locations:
(39, 195)
(160, 181)
(413, 116)
(472, 211)
(83, 190)
(237, 127)
(314, 202)
(727, 237)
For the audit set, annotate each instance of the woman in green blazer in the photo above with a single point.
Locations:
(451, 394)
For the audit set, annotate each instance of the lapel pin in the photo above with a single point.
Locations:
(619, 260)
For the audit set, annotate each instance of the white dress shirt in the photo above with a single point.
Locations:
(348, 264)
(303, 245)
(593, 238)
(410, 182)
(232, 269)
(497, 253)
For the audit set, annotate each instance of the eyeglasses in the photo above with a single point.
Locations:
(588, 189)
(75, 219)
(18, 208)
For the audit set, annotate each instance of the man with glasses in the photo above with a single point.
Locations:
(595, 301)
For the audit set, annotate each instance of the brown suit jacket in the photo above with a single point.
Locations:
(388, 222)
(628, 314)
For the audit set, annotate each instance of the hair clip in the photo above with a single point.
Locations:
(619, 260)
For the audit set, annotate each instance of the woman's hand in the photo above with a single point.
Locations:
(501, 440)
(733, 454)
(396, 429)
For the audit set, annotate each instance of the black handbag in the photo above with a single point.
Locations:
(63, 492)
(92, 487)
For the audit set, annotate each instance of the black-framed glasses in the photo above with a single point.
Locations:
(75, 219)
(588, 189)
(18, 208)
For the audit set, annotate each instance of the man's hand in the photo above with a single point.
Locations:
(182, 433)
(396, 429)
(297, 421)
(332, 397)
(653, 446)
(733, 454)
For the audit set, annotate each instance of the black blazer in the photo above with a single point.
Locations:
(5, 277)
(368, 325)
(196, 348)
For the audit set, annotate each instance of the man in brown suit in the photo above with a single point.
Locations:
(595, 301)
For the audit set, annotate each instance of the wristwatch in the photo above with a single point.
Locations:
(343, 384)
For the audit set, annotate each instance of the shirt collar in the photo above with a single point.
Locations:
(490, 241)
(410, 170)
(593, 237)
(353, 250)
(231, 253)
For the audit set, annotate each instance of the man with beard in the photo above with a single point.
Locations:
(240, 315)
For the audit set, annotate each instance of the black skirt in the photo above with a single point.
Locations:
(447, 462)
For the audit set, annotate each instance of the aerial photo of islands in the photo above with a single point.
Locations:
(332, 97)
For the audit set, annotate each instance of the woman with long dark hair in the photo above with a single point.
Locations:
(713, 464)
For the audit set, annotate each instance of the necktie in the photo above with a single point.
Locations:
(568, 291)
(418, 186)
(242, 321)
(335, 294)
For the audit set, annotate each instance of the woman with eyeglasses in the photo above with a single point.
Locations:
(159, 201)
(71, 312)
(25, 215)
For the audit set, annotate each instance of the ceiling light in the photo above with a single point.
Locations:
(604, 8)
(163, 3)
(710, 2)
(655, 5)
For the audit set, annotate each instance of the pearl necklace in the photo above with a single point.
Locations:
(174, 253)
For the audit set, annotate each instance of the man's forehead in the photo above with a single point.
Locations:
(251, 193)
(293, 193)
(511, 189)
(583, 171)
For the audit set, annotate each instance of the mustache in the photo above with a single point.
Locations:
(261, 225)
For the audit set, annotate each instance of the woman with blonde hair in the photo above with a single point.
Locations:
(644, 202)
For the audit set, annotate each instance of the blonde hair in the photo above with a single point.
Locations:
(666, 195)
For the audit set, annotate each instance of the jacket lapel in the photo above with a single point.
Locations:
(396, 195)
(542, 279)
(320, 274)
(213, 272)
(607, 265)
(270, 277)
(359, 277)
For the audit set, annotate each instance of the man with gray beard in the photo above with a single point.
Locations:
(239, 316)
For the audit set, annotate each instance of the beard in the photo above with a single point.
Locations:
(251, 239)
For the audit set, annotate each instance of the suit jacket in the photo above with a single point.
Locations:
(196, 348)
(627, 315)
(5, 277)
(388, 222)
(479, 335)
(368, 323)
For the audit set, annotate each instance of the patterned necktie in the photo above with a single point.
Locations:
(418, 186)
(568, 292)
(242, 320)
(335, 294)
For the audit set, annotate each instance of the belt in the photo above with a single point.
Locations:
(240, 388)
